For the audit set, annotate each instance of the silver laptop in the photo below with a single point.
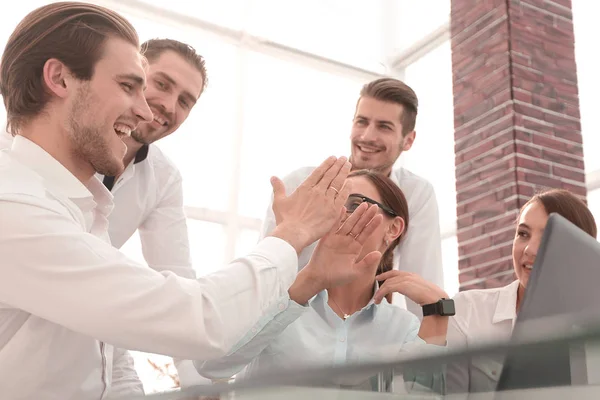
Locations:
(564, 284)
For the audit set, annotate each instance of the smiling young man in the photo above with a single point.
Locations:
(383, 127)
(148, 195)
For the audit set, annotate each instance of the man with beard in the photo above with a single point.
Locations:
(383, 127)
(148, 195)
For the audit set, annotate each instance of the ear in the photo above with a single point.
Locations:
(395, 229)
(56, 77)
(409, 139)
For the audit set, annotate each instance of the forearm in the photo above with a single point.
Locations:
(98, 292)
(262, 334)
(434, 329)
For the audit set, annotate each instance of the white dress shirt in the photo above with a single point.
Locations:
(421, 249)
(66, 293)
(315, 336)
(148, 197)
(483, 317)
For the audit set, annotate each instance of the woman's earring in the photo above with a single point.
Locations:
(387, 243)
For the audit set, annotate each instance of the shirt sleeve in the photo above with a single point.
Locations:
(267, 329)
(125, 380)
(56, 271)
(458, 378)
(420, 251)
(164, 233)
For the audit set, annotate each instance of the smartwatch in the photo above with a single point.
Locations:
(443, 307)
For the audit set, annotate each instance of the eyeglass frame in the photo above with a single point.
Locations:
(385, 208)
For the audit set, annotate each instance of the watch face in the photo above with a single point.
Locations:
(447, 307)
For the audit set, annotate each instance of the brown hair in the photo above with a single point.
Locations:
(392, 90)
(72, 32)
(391, 196)
(568, 205)
(154, 48)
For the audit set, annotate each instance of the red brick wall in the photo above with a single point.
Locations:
(516, 120)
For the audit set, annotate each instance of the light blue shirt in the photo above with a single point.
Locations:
(315, 336)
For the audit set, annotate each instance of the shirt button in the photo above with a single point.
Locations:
(254, 330)
(281, 306)
(494, 373)
(342, 339)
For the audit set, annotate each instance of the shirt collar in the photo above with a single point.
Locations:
(56, 175)
(394, 178)
(141, 154)
(321, 299)
(506, 307)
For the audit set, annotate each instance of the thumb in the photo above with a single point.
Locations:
(370, 260)
(278, 189)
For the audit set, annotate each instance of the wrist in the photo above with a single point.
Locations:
(305, 286)
(293, 234)
(435, 297)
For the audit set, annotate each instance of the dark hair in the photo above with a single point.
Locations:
(72, 32)
(154, 48)
(568, 205)
(392, 90)
(391, 196)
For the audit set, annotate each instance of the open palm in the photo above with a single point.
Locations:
(336, 257)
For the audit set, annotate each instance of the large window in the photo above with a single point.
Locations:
(432, 155)
(587, 32)
(294, 116)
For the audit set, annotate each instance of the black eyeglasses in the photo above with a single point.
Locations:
(355, 200)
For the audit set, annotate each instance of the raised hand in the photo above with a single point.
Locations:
(310, 211)
(336, 261)
(409, 284)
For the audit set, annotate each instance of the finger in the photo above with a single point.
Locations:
(339, 221)
(342, 197)
(370, 260)
(391, 274)
(363, 223)
(383, 291)
(318, 173)
(368, 230)
(349, 223)
(331, 173)
(278, 189)
(340, 178)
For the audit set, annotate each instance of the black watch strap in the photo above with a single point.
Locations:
(443, 307)
(431, 309)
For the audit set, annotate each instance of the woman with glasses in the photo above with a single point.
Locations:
(355, 322)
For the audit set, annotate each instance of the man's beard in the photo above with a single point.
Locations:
(378, 168)
(87, 138)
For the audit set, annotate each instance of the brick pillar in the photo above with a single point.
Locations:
(516, 121)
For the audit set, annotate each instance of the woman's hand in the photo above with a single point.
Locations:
(434, 328)
(335, 259)
(410, 285)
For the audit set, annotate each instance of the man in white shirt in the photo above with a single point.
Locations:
(383, 127)
(148, 195)
(72, 80)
